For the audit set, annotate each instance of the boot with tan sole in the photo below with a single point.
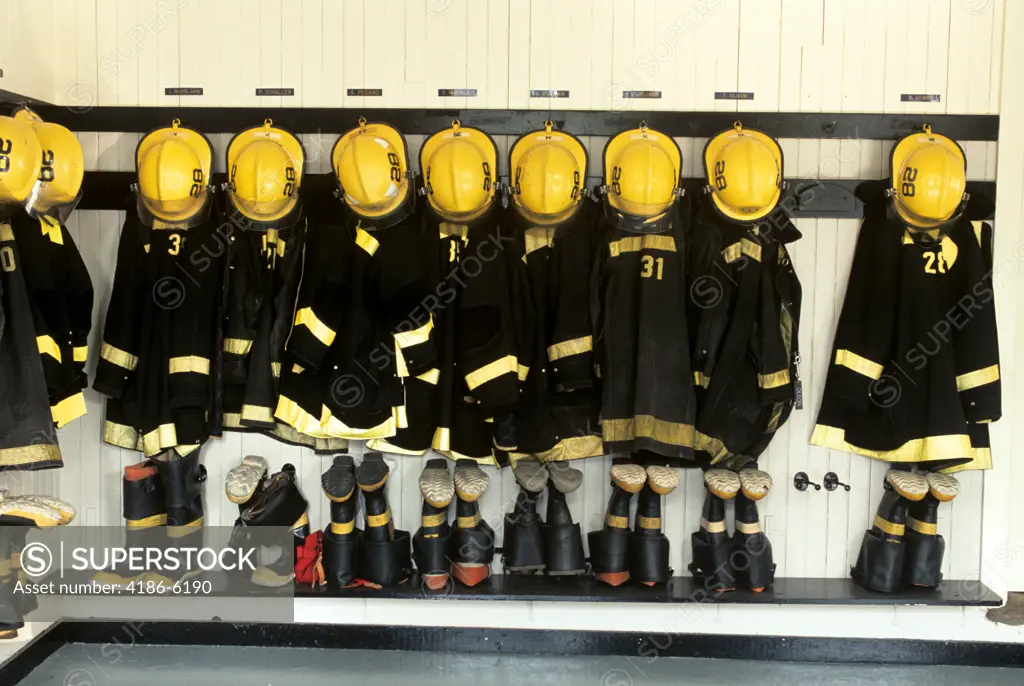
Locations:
(609, 547)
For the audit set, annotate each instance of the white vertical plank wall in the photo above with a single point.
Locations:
(793, 55)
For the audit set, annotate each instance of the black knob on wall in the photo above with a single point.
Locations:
(801, 482)
(832, 482)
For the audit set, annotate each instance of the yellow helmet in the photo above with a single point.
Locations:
(460, 172)
(743, 168)
(20, 158)
(371, 164)
(59, 187)
(173, 165)
(547, 170)
(265, 165)
(928, 177)
(641, 177)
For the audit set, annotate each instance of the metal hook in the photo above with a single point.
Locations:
(832, 482)
(801, 482)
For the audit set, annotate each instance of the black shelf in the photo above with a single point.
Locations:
(680, 589)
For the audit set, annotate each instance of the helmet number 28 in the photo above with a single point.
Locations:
(720, 182)
(909, 177)
(46, 171)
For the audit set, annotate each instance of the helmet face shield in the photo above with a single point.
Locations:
(173, 166)
(41, 204)
(927, 180)
(642, 180)
(744, 173)
(460, 172)
(371, 167)
(547, 170)
(265, 167)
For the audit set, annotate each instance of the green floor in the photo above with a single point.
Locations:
(126, 665)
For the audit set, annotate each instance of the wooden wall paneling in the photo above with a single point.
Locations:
(873, 59)
(760, 54)
(790, 56)
(477, 64)
(80, 91)
(60, 44)
(107, 60)
(652, 29)
(151, 90)
(832, 33)
(895, 56)
(520, 52)
(958, 72)
(292, 52)
(707, 51)
(996, 75)
(624, 70)
(914, 65)
(126, 52)
(573, 56)
(812, 73)
(937, 58)
(544, 31)
(332, 75)
(855, 27)
(242, 45)
(168, 43)
(499, 52)
(384, 65)
(312, 45)
(601, 56)
(197, 40)
(982, 24)
(269, 52)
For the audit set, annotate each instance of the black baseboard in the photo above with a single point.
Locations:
(637, 645)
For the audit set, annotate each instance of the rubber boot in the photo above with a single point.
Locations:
(523, 546)
(563, 539)
(341, 538)
(182, 481)
(609, 547)
(648, 547)
(751, 560)
(279, 503)
(385, 553)
(430, 544)
(925, 547)
(143, 509)
(472, 541)
(712, 545)
(882, 555)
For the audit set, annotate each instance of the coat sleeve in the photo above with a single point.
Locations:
(119, 355)
(239, 308)
(570, 353)
(320, 310)
(773, 356)
(976, 339)
(79, 304)
(866, 326)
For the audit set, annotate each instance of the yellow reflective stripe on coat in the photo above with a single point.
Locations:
(48, 346)
(980, 377)
(257, 413)
(68, 410)
(928, 449)
(506, 365)
(367, 242)
(407, 339)
(768, 381)
(431, 377)
(81, 353)
(637, 243)
(6, 233)
(237, 346)
(51, 229)
(569, 348)
(647, 426)
(321, 331)
(861, 365)
(119, 357)
(701, 379)
(189, 364)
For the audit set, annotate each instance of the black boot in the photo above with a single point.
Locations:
(882, 555)
(563, 540)
(341, 538)
(472, 541)
(523, 546)
(386, 558)
(925, 547)
(752, 562)
(609, 547)
(648, 547)
(144, 511)
(430, 544)
(279, 503)
(182, 480)
(712, 545)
